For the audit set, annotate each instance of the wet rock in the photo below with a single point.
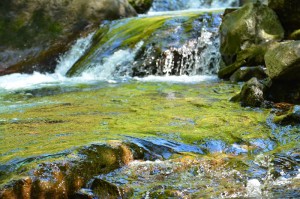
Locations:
(62, 179)
(292, 117)
(252, 94)
(250, 26)
(141, 6)
(246, 73)
(36, 32)
(104, 189)
(288, 12)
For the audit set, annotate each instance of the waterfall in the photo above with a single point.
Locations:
(167, 5)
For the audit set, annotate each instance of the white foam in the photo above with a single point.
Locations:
(184, 79)
(254, 188)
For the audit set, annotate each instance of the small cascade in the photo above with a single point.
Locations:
(168, 5)
(197, 56)
(183, 44)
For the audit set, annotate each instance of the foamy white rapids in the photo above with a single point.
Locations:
(168, 5)
(184, 79)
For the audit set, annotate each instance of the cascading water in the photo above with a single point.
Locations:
(167, 5)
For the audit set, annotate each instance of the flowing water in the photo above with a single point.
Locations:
(153, 87)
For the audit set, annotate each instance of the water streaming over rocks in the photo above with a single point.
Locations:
(178, 47)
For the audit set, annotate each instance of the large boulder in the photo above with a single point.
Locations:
(248, 27)
(35, 32)
(283, 61)
(141, 6)
(288, 12)
(283, 67)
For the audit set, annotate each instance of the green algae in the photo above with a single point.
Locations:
(193, 112)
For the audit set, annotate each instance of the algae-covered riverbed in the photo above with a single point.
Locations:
(195, 121)
(186, 113)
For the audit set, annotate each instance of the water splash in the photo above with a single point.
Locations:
(197, 56)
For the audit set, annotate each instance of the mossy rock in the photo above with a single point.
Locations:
(283, 61)
(253, 24)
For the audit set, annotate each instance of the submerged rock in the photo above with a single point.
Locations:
(251, 94)
(37, 31)
(252, 25)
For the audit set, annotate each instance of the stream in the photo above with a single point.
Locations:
(135, 110)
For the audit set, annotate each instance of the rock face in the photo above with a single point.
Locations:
(141, 6)
(252, 25)
(35, 32)
(288, 12)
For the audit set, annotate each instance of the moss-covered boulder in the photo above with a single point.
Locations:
(33, 33)
(288, 12)
(141, 6)
(283, 61)
(252, 25)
